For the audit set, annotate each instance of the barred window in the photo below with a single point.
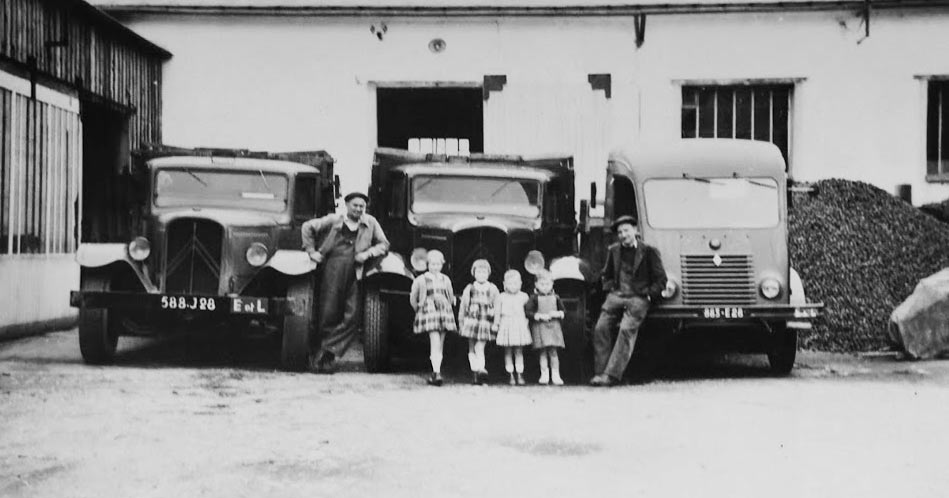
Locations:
(753, 112)
(937, 131)
(39, 175)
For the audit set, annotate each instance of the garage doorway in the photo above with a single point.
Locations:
(439, 120)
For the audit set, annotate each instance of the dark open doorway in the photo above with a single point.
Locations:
(406, 114)
(110, 199)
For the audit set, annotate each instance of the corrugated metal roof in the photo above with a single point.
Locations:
(492, 7)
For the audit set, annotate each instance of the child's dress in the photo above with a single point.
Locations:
(512, 322)
(477, 311)
(547, 333)
(435, 297)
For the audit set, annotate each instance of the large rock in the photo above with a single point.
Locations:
(921, 322)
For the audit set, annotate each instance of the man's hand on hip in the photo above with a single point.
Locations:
(316, 256)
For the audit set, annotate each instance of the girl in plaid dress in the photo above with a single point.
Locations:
(475, 316)
(510, 322)
(432, 298)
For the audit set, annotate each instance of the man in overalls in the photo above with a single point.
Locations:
(341, 244)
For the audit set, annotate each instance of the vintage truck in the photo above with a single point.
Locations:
(717, 210)
(517, 213)
(219, 241)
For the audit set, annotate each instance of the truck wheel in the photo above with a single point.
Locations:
(98, 334)
(295, 347)
(782, 349)
(376, 331)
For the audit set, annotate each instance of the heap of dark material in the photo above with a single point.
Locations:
(861, 252)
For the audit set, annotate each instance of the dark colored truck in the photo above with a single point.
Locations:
(219, 241)
(517, 213)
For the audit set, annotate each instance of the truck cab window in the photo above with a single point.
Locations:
(304, 202)
(624, 197)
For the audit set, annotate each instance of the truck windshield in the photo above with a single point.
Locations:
(510, 196)
(692, 202)
(225, 189)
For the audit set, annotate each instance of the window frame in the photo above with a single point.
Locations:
(940, 175)
(752, 84)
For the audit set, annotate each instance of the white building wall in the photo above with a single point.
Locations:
(281, 83)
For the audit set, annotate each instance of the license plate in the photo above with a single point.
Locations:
(189, 303)
(723, 312)
(249, 305)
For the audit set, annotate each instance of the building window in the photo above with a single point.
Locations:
(753, 112)
(937, 131)
(39, 175)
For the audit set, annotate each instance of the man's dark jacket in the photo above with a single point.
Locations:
(649, 277)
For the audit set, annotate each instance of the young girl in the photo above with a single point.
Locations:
(510, 322)
(546, 310)
(475, 315)
(432, 298)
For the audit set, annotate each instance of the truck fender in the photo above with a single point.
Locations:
(291, 262)
(390, 264)
(99, 255)
(796, 297)
(571, 268)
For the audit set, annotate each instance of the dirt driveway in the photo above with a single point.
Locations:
(172, 420)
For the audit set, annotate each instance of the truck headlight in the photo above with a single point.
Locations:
(256, 254)
(770, 288)
(534, 262)
(139, 248)
(419, 259)
(670, 291)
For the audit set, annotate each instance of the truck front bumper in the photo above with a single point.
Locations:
(216, 306)
(797, 316)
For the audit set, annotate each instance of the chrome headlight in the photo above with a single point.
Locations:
(534, 262)
(256, 254)
(670, 291)
(419, 259)
(139, 248)
(770, 288)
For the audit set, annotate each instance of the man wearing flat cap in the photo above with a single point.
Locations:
(341, 244)
(633, 277)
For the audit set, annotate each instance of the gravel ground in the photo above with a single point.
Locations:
(166, 421)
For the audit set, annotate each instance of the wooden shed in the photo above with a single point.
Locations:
(78, 91)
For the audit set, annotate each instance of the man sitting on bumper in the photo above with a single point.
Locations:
(633, 277)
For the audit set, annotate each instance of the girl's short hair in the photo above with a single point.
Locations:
(544, 275)
(480, 263)
(511, 273)
(435, 253)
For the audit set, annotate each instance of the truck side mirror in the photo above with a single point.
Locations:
(337, 191)
(593, 195)
(584, 216)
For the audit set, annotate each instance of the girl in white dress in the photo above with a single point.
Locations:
(510, 322)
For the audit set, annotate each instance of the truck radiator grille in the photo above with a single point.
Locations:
(193, 263)
(729, 283)
(477, 243)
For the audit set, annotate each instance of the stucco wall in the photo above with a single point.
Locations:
(291, 83)
(35, 292)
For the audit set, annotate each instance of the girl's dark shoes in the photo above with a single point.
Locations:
(435, 379)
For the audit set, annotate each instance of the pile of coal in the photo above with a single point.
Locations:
(860, 251)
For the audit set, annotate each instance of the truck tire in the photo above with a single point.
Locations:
(375, 331)
(98, 333)
(297, 328)
(782, 349)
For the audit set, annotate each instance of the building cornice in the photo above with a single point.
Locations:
(475, 9)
